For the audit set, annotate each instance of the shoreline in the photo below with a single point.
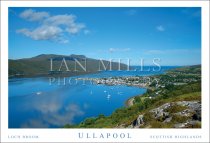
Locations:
(129, 101)
(44, 75)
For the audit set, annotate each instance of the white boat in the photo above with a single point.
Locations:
(38, 93)
(108, 96)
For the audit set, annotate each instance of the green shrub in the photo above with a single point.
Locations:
(197, 125)
(157, 124)
(89, 121)
(70, 126)
(148, 116)
(175, 109)
(179, 119)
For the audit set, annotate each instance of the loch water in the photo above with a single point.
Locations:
(37, 103)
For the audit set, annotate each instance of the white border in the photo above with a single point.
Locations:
(71, 135)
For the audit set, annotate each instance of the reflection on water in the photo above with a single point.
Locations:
(33, 103)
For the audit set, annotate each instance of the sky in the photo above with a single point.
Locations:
(171, 34)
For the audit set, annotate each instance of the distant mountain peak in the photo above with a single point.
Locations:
(43, 55)
(53, 56)
(77, 56)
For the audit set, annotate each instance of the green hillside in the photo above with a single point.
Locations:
(174, 103)
(40, 65)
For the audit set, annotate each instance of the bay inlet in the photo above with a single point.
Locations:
(34, 103)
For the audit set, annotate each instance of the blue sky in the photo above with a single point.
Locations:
(171, 34)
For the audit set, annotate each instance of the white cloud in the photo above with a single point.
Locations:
(51, 27)
(42, 33)
(66, 20)
(60, 20)
(111, 50)
(32, 15)
(75, 28)
(160, 28)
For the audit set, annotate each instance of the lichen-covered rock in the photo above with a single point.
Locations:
(188, 117)
(167, 120)
(159, 112)
(186, 112)
(138, 122)
(180, 125)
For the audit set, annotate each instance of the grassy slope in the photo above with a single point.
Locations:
(153, 123)
(126, 116)
(40, 65)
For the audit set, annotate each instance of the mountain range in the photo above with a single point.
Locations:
(41, 65)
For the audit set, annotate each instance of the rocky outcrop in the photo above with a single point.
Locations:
(160, 111)
(138, 122)
(193, 107)
(189, 117)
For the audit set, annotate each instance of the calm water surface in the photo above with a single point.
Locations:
(34, 103)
